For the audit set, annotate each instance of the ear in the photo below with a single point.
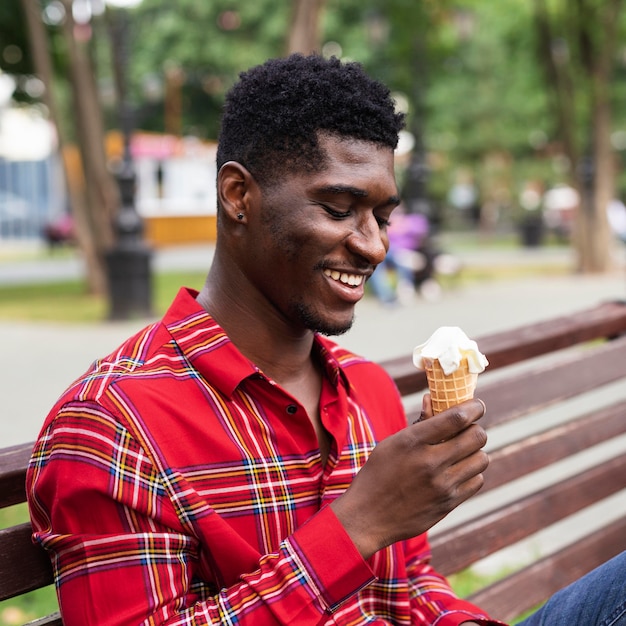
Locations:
(236, 189)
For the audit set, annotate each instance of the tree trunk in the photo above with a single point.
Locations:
(305, 29)
(592, 167)
(594, 240)
(101, 192)
(40, 49)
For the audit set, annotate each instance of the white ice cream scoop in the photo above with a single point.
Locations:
(450, 345)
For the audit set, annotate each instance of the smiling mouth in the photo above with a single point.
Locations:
(353, 280)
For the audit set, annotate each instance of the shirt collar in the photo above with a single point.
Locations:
(207, 347)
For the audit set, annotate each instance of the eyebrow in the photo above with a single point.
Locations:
(354, 191)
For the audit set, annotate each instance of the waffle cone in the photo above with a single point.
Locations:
(447, 391)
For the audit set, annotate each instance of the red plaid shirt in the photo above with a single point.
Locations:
(174, 483)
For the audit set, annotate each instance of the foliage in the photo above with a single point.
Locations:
(211, 43)
(13, 34)
(470, 71)
(208, 44)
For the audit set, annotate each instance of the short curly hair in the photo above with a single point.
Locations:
(274, 114)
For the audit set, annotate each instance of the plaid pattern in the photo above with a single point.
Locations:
(174, 483)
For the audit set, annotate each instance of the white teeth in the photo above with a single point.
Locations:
(347, 279)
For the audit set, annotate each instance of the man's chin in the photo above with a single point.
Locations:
(324, 325)
(330, 331)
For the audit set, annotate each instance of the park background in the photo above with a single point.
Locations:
(514, 149)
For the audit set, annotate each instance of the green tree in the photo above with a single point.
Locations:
(482, 80)
(14, 56)
(193, 54)
(486, 101)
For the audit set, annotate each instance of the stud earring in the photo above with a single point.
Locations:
(239, 216)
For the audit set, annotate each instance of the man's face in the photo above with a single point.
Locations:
(320, 235)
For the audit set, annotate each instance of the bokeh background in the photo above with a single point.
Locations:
(512, 158)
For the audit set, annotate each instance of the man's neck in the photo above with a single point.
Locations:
(280, 352)
(285, 356)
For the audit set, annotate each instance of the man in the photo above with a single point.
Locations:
(231, 465)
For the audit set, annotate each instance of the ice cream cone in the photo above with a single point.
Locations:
(452, 389)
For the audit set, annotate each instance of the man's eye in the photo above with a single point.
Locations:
(336, 214)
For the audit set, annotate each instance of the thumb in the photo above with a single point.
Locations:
(427, 407)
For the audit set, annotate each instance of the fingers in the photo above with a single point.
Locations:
(469, 475)
(449, 423)
(415, 477)
(476, 462)
(427, 409)
(462, 473)
(427, 406)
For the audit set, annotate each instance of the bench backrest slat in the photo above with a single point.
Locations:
(555, 444)
(507, 347)
(13, 462)
(533, 340)
(553, 382)
(459, 547)
(565, 377)
(24, 566)
(534, 584)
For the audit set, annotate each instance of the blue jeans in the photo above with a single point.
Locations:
(597, 599)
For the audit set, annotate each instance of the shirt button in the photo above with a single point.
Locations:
(291, 409)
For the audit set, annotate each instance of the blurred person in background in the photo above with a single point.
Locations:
(394, 279)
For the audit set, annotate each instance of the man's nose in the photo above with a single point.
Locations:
(369, 240)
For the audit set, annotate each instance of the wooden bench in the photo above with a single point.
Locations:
(553, 364)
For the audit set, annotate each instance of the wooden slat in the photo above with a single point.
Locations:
(572, 375)
(512, 596)
(24, 566)
(459, 547)
(533, 340)
(408, 379)
(507, 347)
(569, 376)
(13, 463)
(555, 444)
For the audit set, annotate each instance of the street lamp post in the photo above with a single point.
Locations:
(129, 261)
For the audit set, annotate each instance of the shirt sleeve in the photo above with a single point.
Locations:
(432, 599)
(123, 553)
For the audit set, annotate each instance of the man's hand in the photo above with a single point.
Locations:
(414, 478)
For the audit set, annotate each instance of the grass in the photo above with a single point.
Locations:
(69, 302)
(30, 605)
(468, 581)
